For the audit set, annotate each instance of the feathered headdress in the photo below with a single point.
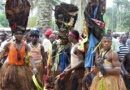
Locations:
(66, 16)
(17, 12)
(93, 13)
(94, 23)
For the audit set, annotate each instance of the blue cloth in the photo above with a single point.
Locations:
(63, 60)
(37, 31)
(90, 56)
(95, 12)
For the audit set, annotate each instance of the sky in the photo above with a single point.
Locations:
(108, 4)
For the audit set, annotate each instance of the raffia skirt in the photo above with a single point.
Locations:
(14, 77)
(75, 80)
(39, 75)
(62, 83)
(110, 82)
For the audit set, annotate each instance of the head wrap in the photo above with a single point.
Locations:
(107, 37)
(48, 32)
(36, 30)
(75, 34)
(34, 33)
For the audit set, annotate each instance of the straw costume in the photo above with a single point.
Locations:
(93, 31)
(16, 74)
(66, 16)
(107, 82)
(94, 13)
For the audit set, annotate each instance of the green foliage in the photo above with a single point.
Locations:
(54, 26)
(117, 16)
(3, 20)
(125, 24)
(1, 26)
(32, 22)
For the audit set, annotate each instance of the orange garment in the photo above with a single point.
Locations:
(36, 51)
(12, 55)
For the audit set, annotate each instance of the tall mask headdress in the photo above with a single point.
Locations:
(17, 12)
(66, 16)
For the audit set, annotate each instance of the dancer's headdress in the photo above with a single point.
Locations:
(66, 16)
(17, 12)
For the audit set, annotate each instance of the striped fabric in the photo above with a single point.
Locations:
(123, 50)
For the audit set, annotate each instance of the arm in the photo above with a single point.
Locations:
(65, 71)
(122, 64)
(115, 62)
(95, 68)
(44, 56)
(68, 67)
(4, 51)
(44, 59)
(123, 68)
(30, 58)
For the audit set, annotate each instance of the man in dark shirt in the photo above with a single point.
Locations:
(126, 70)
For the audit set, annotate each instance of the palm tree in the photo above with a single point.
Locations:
(44, 13)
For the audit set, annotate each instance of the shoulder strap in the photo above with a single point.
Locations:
(103, 57)
(106, 53)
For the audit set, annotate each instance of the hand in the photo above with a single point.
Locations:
(87, 80)
(45, 71)
(66, 71)
(95, 70)
(127, 74)
(62, 74)
(35, 71)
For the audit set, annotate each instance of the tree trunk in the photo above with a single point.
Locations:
(81, 5)
(44, 15)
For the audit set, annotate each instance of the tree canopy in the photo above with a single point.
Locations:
(117, 16)
(3, 20)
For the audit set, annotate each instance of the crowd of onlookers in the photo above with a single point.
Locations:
(120, 44)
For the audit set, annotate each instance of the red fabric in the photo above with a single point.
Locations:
(80, 38)
(71, 34)
(99, 23)
(45, 77)
(48, 32)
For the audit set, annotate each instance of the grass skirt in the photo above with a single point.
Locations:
(16, 78)
(61, 83)
(75, 80)
(110, 82)
(39, 75)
